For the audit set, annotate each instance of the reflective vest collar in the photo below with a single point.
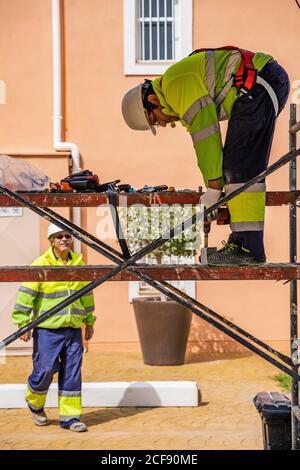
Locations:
(51, 259)
(156, 83)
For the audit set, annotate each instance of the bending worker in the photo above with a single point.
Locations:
(57, 342)
(206, 87)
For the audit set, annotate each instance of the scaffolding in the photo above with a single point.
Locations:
(125, 265)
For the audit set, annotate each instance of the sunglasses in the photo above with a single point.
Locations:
(63, 235)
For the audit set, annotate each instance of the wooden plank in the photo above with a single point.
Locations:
(274, 198)
(275, 272)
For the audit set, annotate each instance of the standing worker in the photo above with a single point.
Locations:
(57, 342)
(206, 87)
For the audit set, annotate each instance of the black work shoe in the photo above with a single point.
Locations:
(232, 254)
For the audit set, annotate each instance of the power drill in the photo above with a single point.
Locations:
(83, 181)
(223, 218)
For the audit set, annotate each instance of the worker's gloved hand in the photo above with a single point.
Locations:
(210, 197)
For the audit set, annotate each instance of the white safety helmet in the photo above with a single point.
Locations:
(53, 230)
(134, 113)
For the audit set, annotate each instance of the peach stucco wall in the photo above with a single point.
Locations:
(94, 86)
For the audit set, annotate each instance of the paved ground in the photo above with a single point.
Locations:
(225, 419)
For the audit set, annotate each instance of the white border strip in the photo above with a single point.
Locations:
(113, 394)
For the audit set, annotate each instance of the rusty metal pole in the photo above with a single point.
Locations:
(293, 285)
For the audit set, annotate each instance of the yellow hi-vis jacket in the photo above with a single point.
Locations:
(198, 89)
(35, 298)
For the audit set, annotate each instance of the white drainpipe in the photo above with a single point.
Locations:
(58, 144)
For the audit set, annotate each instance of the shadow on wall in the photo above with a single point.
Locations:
(140, 394)
(206, 343)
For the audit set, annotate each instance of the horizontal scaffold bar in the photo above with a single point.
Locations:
(269, 272)
(274, 198)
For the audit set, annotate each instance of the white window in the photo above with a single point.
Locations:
(157, 33)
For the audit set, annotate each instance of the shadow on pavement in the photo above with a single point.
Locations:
(192, 358)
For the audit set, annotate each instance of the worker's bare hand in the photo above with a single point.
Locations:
(26, 337)
(89, 331)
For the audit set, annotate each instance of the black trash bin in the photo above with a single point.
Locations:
(275, 412)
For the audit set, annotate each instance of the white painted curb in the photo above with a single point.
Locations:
(109, 394)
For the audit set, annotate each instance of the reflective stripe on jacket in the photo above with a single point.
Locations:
(35, 298)
(198, 89)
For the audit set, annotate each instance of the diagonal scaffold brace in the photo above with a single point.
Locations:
(170, 291)
(163, 287)
(117, 258)
(126, 254)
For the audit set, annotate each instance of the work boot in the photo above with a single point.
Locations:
(232, 254)
(78, 426)
(39, 417)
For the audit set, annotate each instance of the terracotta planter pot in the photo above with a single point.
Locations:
(163, 328)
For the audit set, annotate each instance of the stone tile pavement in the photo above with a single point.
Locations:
(225, 419)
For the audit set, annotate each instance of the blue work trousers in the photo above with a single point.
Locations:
(249, 139)
(57, 350)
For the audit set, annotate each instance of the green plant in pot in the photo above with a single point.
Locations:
(163, 325)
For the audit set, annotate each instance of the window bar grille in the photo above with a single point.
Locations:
(172, 31)
(165, 30)
(142, 19)
(157, 30)
(150, 30)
